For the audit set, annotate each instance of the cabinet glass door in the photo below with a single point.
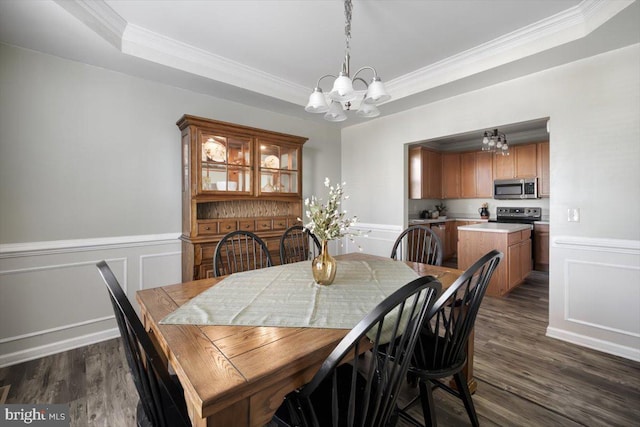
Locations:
(279, 169)
(225, 164)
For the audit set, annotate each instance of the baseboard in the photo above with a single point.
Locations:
(57, 347)
(594, 344)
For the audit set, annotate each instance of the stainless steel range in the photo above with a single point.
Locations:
(518, 215)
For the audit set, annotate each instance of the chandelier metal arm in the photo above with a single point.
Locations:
(326, 75)
(366, 67)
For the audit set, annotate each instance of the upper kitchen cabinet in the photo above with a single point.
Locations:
(476, 174)
(451, 175)
(521, 163)
(235, 178)
(544, 178)
(425, 174)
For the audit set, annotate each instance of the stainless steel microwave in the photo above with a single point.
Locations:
(523, 188)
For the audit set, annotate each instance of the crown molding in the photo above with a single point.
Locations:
(145, 44)
(99, 17)
(564, 27)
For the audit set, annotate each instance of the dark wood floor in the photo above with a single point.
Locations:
(524, 378)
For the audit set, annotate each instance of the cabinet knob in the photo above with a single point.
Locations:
(207, 228)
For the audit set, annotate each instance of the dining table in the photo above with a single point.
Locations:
(238, 375)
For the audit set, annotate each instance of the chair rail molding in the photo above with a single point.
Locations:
(10, 250)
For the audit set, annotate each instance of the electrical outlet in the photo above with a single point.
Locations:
(573, 215)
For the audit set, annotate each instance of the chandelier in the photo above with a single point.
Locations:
(495, 142)
(343, 93)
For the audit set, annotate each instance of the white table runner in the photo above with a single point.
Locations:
(286, 295)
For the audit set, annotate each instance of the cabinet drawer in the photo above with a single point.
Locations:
(246, 226)
(519, 236)
(208, 227)
(263, 224)
(279, 223)
(227, 226)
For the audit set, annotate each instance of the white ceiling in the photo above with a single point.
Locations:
(270, 53)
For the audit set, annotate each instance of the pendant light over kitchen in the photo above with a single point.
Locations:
(495, 142)
(343, 93)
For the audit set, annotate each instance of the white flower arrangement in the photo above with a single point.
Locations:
(329, 222)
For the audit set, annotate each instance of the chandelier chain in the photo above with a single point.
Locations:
(348, 8)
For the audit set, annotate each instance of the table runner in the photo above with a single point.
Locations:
(287, 296)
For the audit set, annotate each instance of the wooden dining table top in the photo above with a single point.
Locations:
(239, 375)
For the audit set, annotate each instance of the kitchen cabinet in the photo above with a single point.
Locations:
(468, 177)
(434, 175)
(476, 175)
(235, 178)
(518, 261)
(526, 159)
(521, 163)
(484, 175)
(513, 240)
(541, 249)
(544, 176)
(451, 175)
(425, 174)
(447, 232)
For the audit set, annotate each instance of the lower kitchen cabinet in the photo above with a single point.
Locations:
(541, 249)
(514, 267)
(447, 232)
(519, 262)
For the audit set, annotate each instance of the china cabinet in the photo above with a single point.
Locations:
(235, 178)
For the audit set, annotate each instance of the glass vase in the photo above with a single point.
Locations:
(324, 266)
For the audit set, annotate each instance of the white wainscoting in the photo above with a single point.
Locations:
(375, 239)
(594, 294)
(52, 298)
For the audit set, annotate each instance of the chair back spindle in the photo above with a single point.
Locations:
(240, 251)
(298, 244)
(418, 243)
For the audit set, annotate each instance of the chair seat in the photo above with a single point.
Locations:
(429, 360)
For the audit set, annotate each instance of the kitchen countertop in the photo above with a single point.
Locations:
(496, 227)
(447, 219)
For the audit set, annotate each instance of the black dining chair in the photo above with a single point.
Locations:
(363, 392)
(441, 348)
(240, 251)
(418, 243)
(162, 401)
(298, 244)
